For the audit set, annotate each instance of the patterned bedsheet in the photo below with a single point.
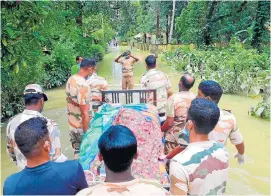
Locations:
(144, 122)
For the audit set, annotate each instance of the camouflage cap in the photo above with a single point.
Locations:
(35, 89)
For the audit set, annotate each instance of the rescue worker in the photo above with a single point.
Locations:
(127, 60)
(34, 99)
(155, 79)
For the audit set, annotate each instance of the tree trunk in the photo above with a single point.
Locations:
(261, 18)
(145, 38)
(207, 29)
(157, 29)
(157, 22)
(79, 18)
(172, 21)
(167, 39)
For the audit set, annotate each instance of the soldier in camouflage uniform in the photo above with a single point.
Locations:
(202, 168)
(155, 79)
(97, 84)
(176, 111)
(127, 60)
(78, 96)
(225, 128)
(34, 101)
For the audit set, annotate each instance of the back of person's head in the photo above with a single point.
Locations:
(32, 137)
(32, 99)
(151, 61)
(204, 115)
(187, 81)
(211, 89)
(118, 147)
(87, 63)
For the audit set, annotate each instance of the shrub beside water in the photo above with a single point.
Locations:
(236, 69)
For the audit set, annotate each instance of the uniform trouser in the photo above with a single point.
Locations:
(170, 145)
(127, 82)
(76, 135)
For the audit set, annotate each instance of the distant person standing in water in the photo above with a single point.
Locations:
(75, 68)
(127, 61)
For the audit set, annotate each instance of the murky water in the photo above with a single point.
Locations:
(252, 178)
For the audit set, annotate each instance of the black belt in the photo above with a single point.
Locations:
(162, 114)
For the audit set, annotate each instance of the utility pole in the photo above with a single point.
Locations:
(172, 21)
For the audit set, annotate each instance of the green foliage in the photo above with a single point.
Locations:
(97, 52)
(40, 41)
(190, 24)
(262, 109)
(13, 84)
(58, 64)
(237, 69)
(209, 22)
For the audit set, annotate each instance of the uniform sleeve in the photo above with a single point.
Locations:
(105, 86)
(54, 133)
(10, 143)
(56, 143)
(81, 179)
(84, 95)
(121, 61)
(170, 107)
(168, 85)
(235, 134)
(179, 179)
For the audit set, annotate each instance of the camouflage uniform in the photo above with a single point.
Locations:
(225, 128)
(133, 187)
(127, 72)
(158, 80)
(201, 169)
(97, 85)
(78, 93)
(177, 107)
(12, 148)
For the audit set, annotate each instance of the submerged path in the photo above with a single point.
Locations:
(251, 178)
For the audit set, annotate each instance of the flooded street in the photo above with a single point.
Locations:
(251, 178)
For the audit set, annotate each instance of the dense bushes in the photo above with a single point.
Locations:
(97, 52)
(237, 69)
(40, 41)
(12, 86)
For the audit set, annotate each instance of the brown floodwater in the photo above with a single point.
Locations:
(252, 178)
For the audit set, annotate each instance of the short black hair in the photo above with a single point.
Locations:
(78, 58)
(185, 82)
(32, 99)
(151, 61)
(88, 63)
(212, 89)
(204, 114)
(29, 133)
(118, 147)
